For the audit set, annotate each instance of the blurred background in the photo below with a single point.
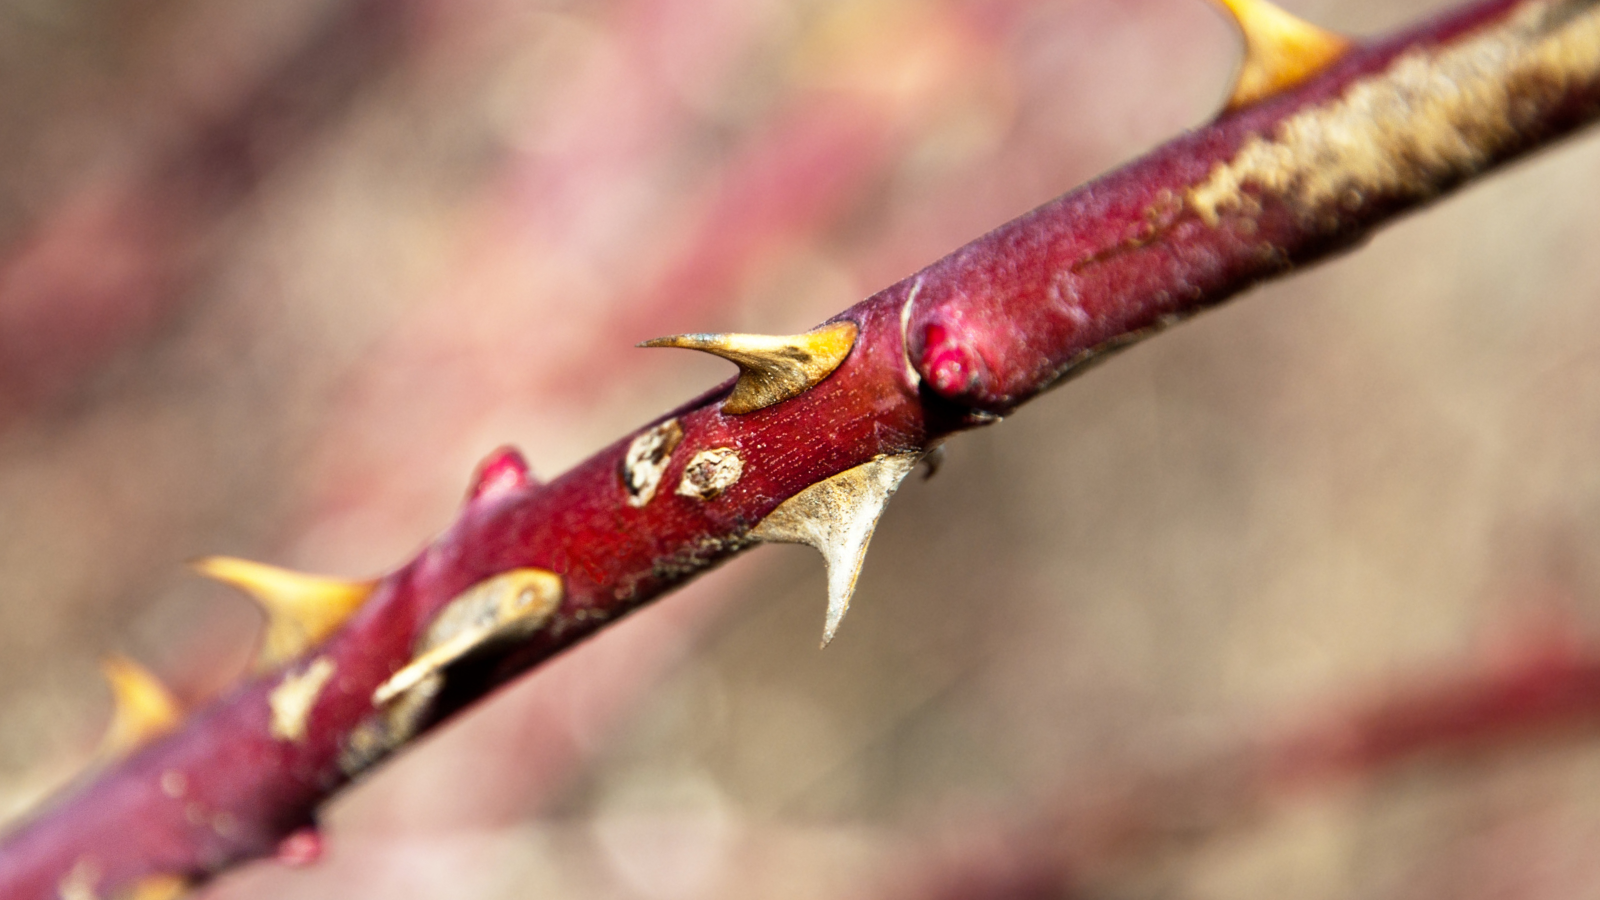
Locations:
(1302, 598)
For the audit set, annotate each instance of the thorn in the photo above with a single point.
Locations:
(301, 609)
(502, 471)
(772, 369)
(837, 516)
(158, 887)
(1280, 50)
(505, 607)
(144, 708)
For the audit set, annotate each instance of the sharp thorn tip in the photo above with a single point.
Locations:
(1281, 50)
(772, 368)
(837, 516)
(301, 609)
(143, 707)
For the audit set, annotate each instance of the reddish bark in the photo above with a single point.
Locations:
(1541, 696)
(806, 164)
(968, 338)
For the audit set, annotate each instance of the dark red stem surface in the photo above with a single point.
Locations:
(1272, 186)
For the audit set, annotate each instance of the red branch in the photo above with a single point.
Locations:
(1081, 835)
(1273, 185)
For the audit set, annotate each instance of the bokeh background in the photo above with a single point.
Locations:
(1300, 599)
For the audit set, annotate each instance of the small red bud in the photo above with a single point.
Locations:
(949, 365)
(302, 848)
(502, 471)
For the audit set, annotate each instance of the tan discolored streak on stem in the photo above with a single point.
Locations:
(293, 698)
(1432, 117)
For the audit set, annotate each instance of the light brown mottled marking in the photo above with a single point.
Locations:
(646, 461)
(292, 699)
(710, 472)
(1432, 116)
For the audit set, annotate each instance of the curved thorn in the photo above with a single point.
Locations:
(1280, 50)
(504, 607)
(772, 368)
(837, 516)
(301, 609)
(144, 708)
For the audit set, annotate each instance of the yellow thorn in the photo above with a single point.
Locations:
(503, 607)
(1280, 51)
(157, 887)
(144, 708)
(301, 609)
(772, 369)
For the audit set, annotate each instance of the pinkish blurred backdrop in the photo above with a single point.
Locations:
(1301, 599)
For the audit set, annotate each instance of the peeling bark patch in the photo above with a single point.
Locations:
(499, 609)
(710, 472)
(374, 739)
(646, 461)
(292, 699)
(1434, 116)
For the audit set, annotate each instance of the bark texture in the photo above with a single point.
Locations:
(1263, 189)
